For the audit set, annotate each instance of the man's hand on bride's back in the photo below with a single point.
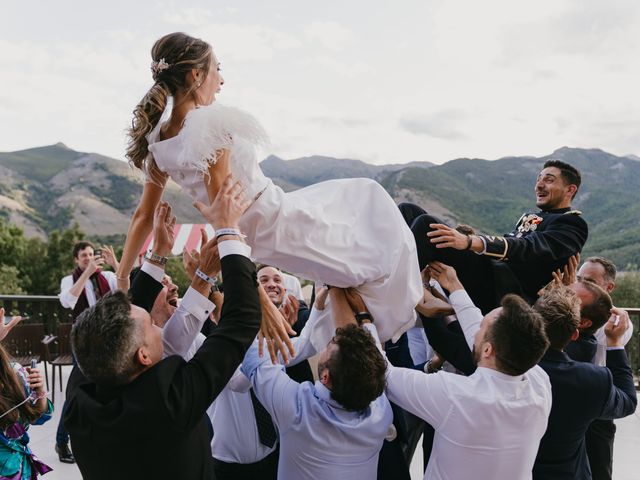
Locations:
(228, 206)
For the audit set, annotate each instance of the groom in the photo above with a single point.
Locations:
(520, 262)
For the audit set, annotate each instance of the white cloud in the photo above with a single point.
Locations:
(329, 35)
(384, 83)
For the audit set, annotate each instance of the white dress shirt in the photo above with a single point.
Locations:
(236, 437)
(487, 425)
(600, 357)
(292, 286)
(69, 301)
(319, 439)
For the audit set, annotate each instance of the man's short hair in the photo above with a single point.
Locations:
(356, 368)
(608, 265)
(105, 339)
(598, 310)
(517, 336)
(79, 246)
(569, 173)
(560, 310)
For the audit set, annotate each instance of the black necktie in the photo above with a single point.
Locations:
(266, 430)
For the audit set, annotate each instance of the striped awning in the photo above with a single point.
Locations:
(187, 235)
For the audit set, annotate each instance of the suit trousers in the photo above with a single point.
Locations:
(599, 442)
(265, 469)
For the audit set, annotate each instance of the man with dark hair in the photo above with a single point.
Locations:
(582, 392)
(520, 262)
(335, 427)
(78, 291)
(601, 433)
(489, 424)
(136, 415)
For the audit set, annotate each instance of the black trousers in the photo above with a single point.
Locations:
(476, 272)
(599, 442)
(265, 469)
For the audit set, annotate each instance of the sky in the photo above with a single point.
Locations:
(379, 81)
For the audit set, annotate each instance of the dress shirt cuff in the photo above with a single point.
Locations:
(484, 246)
(154, 271)
(197, 304)
(371, 328)
(234, 247)
(68, 300)
(609, 349)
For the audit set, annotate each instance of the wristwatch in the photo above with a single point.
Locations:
(159, 259)
(360, 316)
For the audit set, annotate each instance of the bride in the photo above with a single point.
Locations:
(344, 233)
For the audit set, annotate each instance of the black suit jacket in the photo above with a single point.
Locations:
(581, 392)
(155, 426)
(144, 290)
(541, 243)
(583, 349)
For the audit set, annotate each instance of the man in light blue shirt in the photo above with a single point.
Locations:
(334, 428)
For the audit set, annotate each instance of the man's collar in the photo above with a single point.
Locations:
(324, 394)
(557, 210)
(498, 374)
(556, 356)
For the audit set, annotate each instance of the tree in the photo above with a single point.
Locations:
(627, 291)
(10, 281)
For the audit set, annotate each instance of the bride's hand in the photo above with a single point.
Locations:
(275, 330)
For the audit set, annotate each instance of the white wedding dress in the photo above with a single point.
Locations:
(345, 233)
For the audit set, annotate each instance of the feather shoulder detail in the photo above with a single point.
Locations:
(212, 128)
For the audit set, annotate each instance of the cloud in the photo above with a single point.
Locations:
(328, 35)
(438, 125)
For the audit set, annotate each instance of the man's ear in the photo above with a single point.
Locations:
(576, 334)
(585, 323)
(487, 350)
(142, 356)
(325, 378)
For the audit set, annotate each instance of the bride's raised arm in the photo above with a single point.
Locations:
(141, 224)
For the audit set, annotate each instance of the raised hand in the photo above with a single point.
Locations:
(616, 327)
(431, 306)
(321, 298)
(5, 329)
(274, 330)
(355, 301)
(110, 256)
(569, 272)
(290, 309)
(445, 275)
(163, 235)
(191, 259)
(228, 206)
(209, 261)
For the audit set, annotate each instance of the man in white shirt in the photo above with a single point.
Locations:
(87, 282)
(487, 425)
(78, 291)
(334, 428)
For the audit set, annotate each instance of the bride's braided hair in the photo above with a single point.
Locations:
(173, 55)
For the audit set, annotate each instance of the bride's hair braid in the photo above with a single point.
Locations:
(174, 56)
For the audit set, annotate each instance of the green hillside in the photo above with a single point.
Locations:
(40, 163)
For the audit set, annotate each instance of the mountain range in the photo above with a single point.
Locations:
(51, 187)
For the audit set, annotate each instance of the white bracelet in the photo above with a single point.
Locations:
(206, 278)
(229, 231)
